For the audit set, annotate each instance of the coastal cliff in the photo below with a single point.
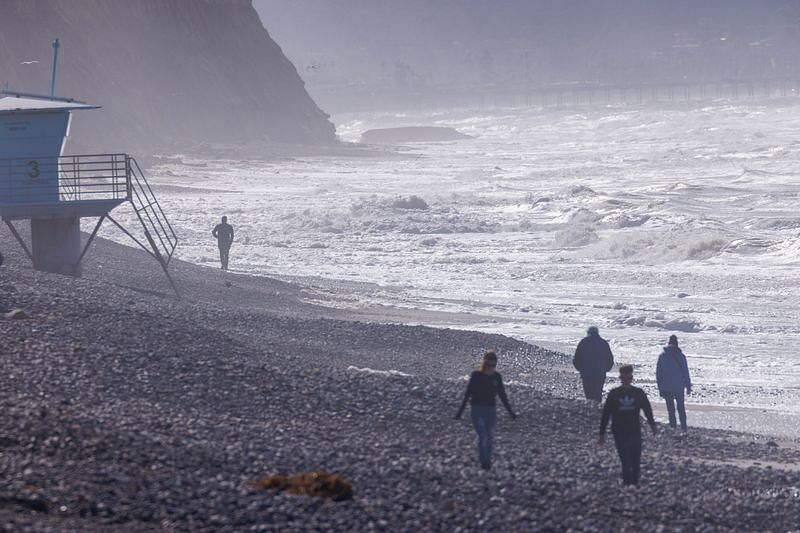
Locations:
(169, 75)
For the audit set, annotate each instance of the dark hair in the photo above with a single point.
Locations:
(488, 355)
(673, 340)
(626, 370)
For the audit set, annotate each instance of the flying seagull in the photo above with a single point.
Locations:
(31, 62)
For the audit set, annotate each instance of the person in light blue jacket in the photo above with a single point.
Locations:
(672, 376)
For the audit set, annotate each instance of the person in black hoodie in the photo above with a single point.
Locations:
(622, 407)
(484, 384)
(593, 358)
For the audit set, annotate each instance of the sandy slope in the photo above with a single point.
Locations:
(128, 409)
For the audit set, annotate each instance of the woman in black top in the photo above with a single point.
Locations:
(484, 385)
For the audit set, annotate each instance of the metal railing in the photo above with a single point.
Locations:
(94, 177)
(36, 180)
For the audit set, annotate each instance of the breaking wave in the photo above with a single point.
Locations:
(659, 321)
(651, 247)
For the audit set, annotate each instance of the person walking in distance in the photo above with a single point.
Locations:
(622, 407)
(593, 358)
(223, 232)
(672, 377)
(484, 384)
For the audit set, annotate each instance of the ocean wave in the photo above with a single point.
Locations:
(761, 173)
(582, 215)
(565, 194)
(659, 321)
(650, 247)
(757, 153)
(618, 117)
(748, 246)
(574, 236)
(622, 220)
(777, 224)
(462, 259)
(403, 215)
(578, 190)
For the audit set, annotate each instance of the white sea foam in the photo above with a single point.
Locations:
(392, 373)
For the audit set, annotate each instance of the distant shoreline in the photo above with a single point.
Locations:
(766, 421)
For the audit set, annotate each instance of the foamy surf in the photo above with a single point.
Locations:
(544, 223)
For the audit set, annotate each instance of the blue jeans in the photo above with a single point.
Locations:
(629, 448)
(484, 418)
(673, 398)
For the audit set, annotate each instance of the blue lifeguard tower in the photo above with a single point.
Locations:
(54, 191)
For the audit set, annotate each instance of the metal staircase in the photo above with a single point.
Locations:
(158, 231)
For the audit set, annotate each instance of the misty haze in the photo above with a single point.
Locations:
(348, 265)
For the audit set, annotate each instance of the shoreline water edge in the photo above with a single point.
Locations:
(644, 220)
(127, 409)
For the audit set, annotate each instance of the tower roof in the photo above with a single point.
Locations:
(14, 104)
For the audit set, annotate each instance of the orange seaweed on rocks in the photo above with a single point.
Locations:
(319, 483)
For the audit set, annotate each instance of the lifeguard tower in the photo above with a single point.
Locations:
(54, 191)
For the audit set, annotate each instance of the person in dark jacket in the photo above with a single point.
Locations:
(593, 358)
(672, 376)
(622, 407)
(223, 232)
(484, 384)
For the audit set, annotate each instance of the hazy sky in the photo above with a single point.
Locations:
(422, 43)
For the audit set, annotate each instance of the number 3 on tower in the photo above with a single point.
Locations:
(33, 168)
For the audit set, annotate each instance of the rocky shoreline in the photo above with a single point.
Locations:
(127, 409)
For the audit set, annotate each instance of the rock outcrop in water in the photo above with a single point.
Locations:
(168, 73)
(411, 134)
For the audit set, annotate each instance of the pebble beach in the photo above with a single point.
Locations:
(126, 408)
